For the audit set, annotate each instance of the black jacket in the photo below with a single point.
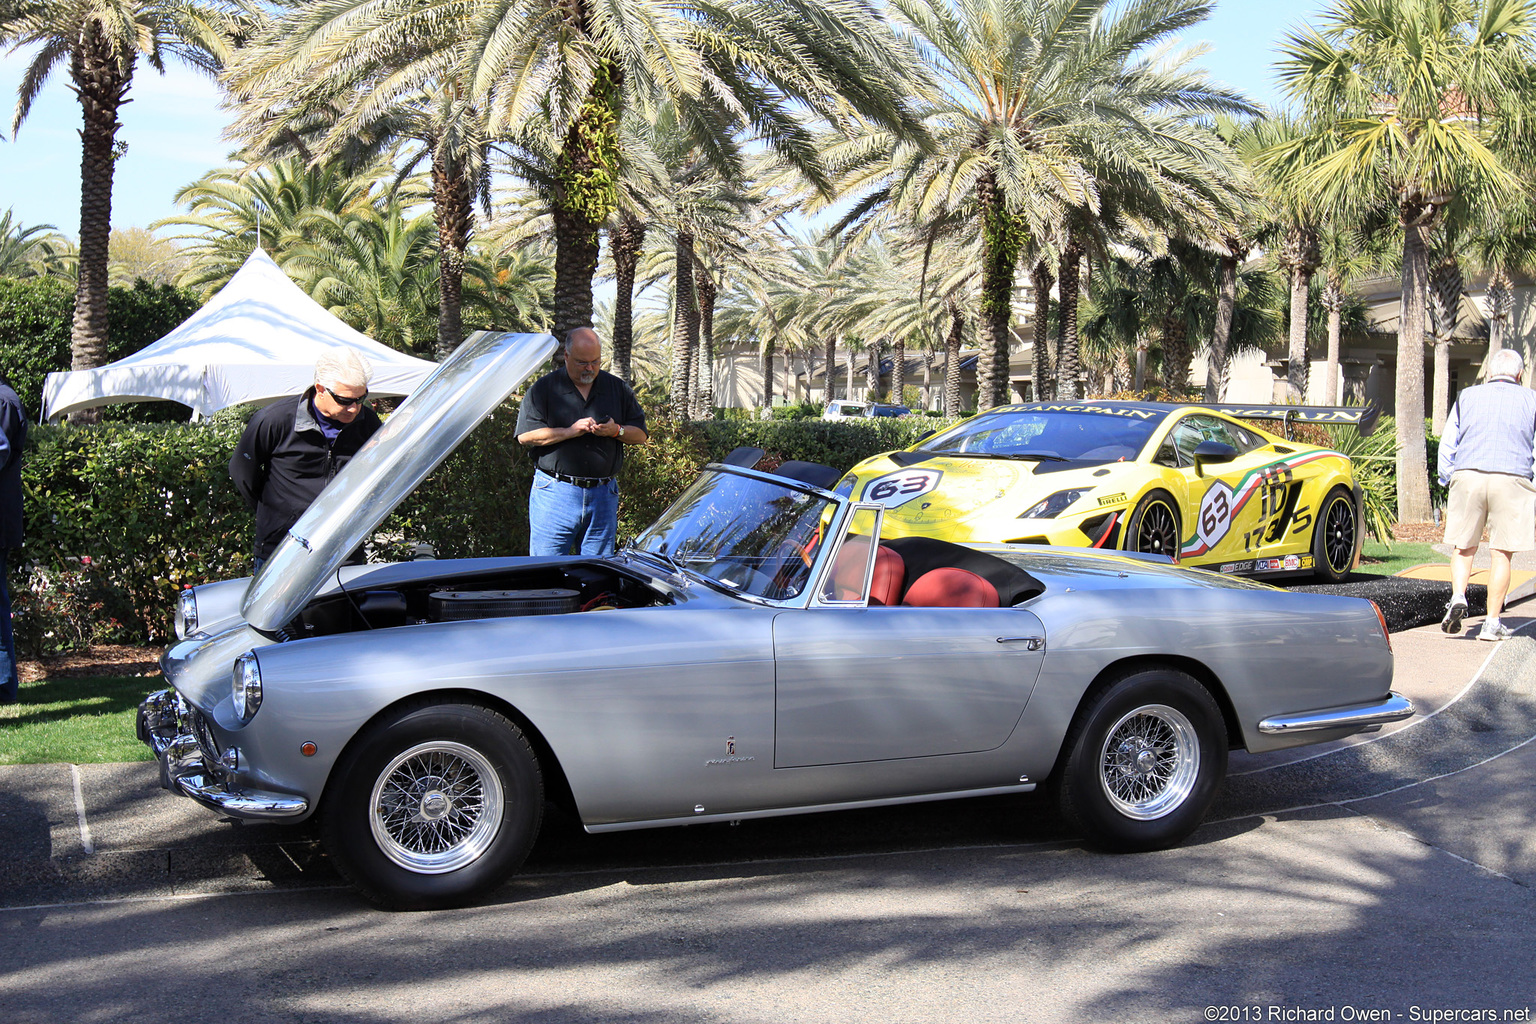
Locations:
(283, 462)
(13, 425)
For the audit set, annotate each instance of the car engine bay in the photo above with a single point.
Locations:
(497, 593)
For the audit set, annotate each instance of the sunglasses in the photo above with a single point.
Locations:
(344, 401)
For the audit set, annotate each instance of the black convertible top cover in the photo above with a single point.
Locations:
(924, 553)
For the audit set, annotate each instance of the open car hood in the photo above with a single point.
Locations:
(410, 444)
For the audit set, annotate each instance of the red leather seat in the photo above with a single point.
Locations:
(848, 573)
(890, 574)
(848, 570)
(951, 588)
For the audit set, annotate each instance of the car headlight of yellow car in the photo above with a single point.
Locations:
(1055, 505)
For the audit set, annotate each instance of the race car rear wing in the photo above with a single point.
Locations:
(1364, 417)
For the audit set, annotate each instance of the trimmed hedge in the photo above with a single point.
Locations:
(119, 518)
(122, 516)
(35, 316)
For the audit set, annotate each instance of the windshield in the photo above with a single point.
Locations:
(748, 535)
(1107, 436)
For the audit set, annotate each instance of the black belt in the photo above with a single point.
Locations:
(579, 481)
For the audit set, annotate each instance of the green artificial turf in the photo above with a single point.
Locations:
(79, 720)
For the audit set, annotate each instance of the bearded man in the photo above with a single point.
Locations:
(575, 423)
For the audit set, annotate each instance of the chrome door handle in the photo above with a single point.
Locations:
(1031, 643)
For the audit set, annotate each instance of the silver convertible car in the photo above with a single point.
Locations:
(757, 651)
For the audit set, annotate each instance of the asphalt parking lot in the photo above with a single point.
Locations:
(1387, 873)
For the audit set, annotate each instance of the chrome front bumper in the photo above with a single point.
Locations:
(192, 765)
(1358, 717)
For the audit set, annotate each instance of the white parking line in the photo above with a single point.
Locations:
(85, 830)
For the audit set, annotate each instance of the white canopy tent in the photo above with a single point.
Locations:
(255, 341)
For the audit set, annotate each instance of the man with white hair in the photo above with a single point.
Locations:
(292, 448)
(1486, 453)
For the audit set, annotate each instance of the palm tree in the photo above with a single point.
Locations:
(373, 269)
(1348, 253)
(578, 63)
(1031, 98)
(1414, 98)
(1041, 280)
(1446, 287)
(1112, 317)
(1233, 240)
(24, 250)
(435, 122)
(101, 43)
(1289, 225)
(233, 210)
(1503, 244)
(626, 243)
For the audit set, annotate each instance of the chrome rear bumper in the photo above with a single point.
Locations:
(1358, 717)
(192, 765)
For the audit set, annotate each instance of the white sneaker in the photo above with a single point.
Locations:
(1493, 629)
(1455, 611)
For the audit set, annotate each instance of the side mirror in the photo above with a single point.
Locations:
(1212, 452)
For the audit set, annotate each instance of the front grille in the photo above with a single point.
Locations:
(207, 746)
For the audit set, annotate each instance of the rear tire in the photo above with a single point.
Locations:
(1145, 758)
(432, 806)
(1336, 537)
(1154, 526)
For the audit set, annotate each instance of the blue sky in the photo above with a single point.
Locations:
(173, 126)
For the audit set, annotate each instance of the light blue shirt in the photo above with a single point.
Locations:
(1492, 429)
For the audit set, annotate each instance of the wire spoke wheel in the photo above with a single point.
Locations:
(1149, 761)
(436, 807)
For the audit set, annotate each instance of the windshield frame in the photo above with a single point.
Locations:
(820, 564)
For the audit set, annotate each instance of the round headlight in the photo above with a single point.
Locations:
(186, 613)
(245, 686)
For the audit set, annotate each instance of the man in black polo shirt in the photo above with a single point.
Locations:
(576, 421)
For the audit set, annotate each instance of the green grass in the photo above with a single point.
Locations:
(82, 721)
(1378, 559)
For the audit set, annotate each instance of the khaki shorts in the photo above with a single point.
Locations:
(1505, 503)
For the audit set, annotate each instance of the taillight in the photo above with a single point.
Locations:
(1382, 619)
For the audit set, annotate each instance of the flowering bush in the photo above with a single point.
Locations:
(57, 610)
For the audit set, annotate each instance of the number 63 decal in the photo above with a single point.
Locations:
(898, 488)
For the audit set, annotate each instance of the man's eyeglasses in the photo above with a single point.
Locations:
(344, 401)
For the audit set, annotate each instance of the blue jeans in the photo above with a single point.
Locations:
(564, 519)
(8, 683)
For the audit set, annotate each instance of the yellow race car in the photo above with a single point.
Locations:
(1187, 481)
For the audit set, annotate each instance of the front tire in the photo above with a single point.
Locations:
(1336, 537)
(1144, 760)
(1154, 526)
(433, 805)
